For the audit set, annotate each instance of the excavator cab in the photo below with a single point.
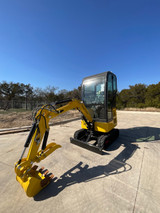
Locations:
(99, 97)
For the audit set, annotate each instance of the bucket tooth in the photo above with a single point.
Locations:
(45, 181)
(45, 173)
(48, 178)
(41, 169)
(51, 176)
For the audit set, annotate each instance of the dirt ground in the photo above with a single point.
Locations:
(19, 119)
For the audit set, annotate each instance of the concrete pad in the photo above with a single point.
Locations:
(125, 179)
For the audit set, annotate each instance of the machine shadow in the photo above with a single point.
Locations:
(83, 173)
(135, 135)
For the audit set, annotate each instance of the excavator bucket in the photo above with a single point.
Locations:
(36, 180)
(31, 179)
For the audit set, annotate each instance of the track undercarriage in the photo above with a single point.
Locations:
(94, 141)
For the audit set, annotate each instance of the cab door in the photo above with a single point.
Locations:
(111, 96)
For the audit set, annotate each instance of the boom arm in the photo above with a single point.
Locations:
(40, 131)
(43, 117)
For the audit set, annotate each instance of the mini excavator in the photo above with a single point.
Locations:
(98, 108)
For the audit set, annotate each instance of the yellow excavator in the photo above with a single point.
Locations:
(98, 108)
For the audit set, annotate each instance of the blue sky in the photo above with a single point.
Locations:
(59, 42)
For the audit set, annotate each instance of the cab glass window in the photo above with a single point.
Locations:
(93, 96)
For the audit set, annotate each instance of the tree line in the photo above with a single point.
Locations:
(12, 94)
(139, 96)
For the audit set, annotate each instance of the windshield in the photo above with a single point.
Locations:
(93, 96)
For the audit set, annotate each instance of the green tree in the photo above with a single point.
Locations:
(132, 97)
(137, 95)
(153, 95)
(62, 94)
(123, 98)
(75, 93)
(9, 91)
(27, 93)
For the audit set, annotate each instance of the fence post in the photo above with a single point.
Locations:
(26, 102)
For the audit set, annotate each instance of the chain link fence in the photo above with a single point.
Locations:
(17, 104)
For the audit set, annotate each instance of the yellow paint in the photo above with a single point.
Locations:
(33, 183)
(103, 126)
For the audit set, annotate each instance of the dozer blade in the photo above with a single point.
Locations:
(86, 145)
(35, 181)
